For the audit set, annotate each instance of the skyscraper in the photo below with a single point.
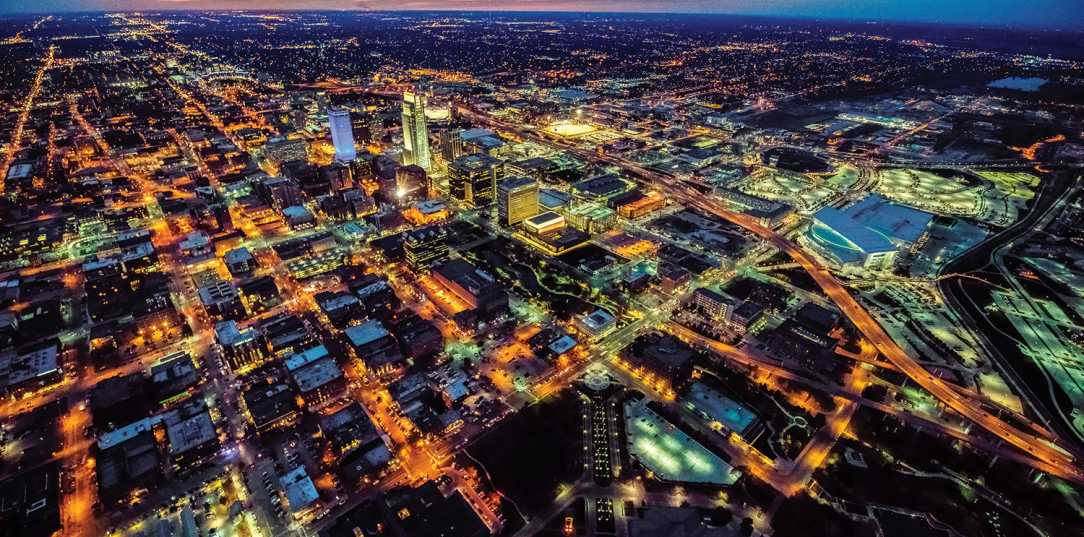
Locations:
(342, 134)
(451, 146)
(517, 200)
(376, 128)
(415, 132)
(473, 179)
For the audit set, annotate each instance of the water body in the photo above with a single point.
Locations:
(1018, 84)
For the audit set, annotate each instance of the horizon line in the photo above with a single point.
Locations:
(1073, 28)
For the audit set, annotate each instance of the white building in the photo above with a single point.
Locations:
(342, 135)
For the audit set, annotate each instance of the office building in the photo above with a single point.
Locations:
(222, 300)
(410, 183)
(239, 262)
(415, 132)
(316, 375)
(597, 323)
(517, 200)
(342, 135)
(472, 179)
(270, 407)
(374, 346)
(347, 429)
(717, 306)
(241, 349)
(425, 246)
(279, 192)
(451, 146)
(545, 223)
(376, 128)
(337, 175)
(549, 233)
(282, 149)
(472, 285)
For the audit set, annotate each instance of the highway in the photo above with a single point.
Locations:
(958, 297)
(740, 356)
(1060, 460)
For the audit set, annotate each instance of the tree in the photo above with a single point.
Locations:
(721, 516)
(747, 526)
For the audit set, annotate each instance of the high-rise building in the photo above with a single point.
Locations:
(299, 113)
(425, 247)
(337, 175)
(415, 132)
(278, 192)
(376, 128)
(410, 182)
(280, 149)
(342, 134)
(451, 145)
(473, 179)
(517, 200)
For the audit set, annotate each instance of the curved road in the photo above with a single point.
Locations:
(1061, 462)
(980, 256)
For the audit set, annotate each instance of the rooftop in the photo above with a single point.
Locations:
(188, 428)
(598, 320)
(366, 332)
(237, 255)
(298, 487)
(669, 453)
(298, 360)
(718, 407)
(841, 231)
(545, 219)
(316, 374)
(897, 222)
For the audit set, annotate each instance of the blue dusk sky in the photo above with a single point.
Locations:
(1013, 13)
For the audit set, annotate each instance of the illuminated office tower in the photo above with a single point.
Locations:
(426, 246)
(517, 200)
(415, 132)
(376, 128)
(472, 179)
(342, 135)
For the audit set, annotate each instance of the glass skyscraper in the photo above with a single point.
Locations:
(415, 132)
(342, 134)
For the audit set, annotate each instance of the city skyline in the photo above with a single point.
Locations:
(1053, 14)
(507, 274)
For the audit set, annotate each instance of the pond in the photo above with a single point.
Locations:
(1018, 83)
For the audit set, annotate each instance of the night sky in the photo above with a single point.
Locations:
(1030, 13)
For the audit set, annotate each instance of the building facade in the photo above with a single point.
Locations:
(517, 200)
(342, 135)
(472, 179)
(415, 131)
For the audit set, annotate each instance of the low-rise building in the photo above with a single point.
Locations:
(222, 300)
(597, 323)
(316, 375)
(241, 349)
(270, 407)
(239, 262)
(374, 346)
(472, 285)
